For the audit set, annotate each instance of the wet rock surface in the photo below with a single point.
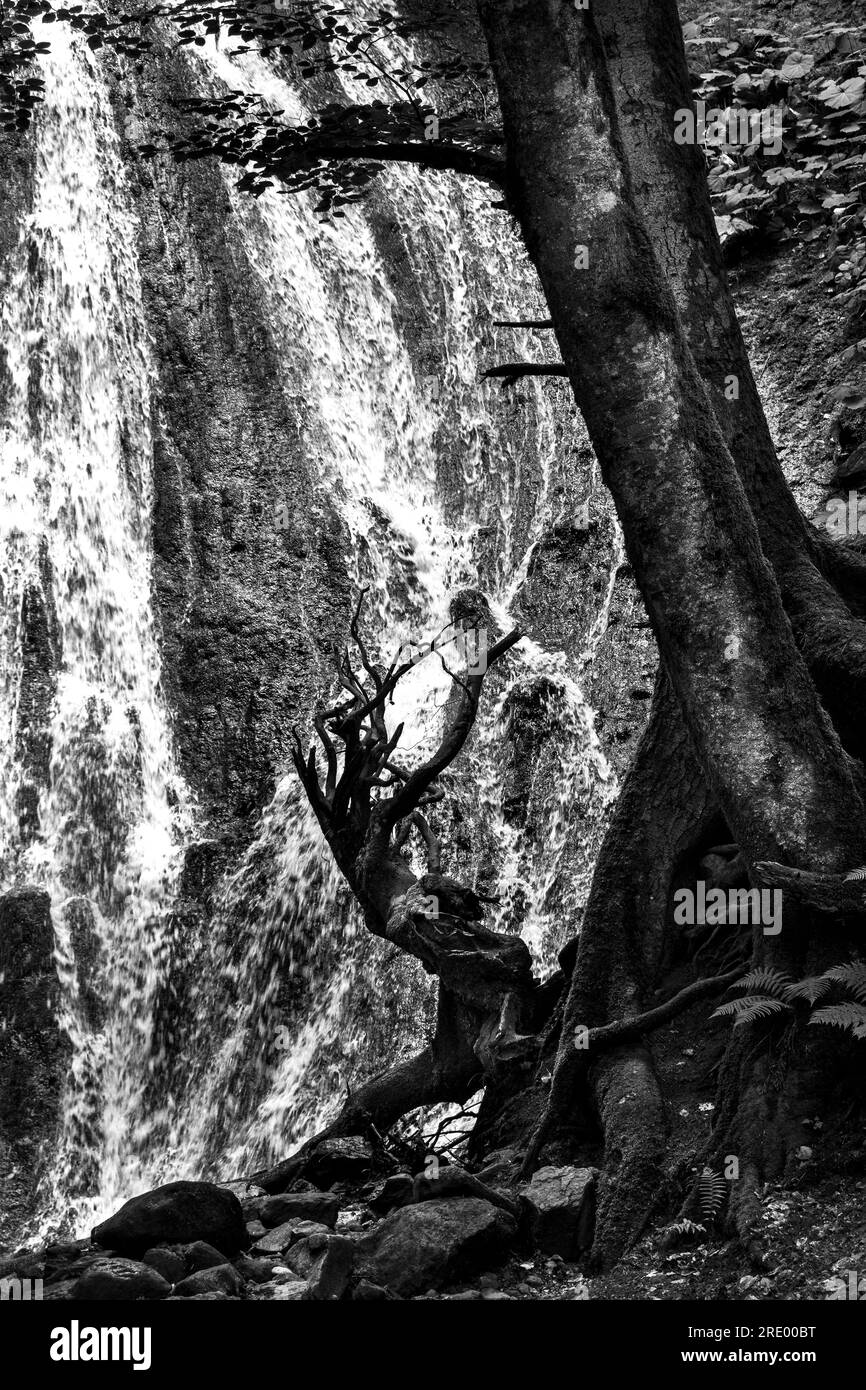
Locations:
(441, 1243)
(434, 1243)
(563, 1208)
(179, 1212)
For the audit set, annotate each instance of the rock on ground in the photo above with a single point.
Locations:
(563, 1210)
(220, 1279)
(325, 1261)
(322, 1207)
(178, 1213)
(435, 1243)
(120, 1279)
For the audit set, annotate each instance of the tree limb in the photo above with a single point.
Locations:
(429, 154)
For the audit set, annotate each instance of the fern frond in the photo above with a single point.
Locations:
(751, 1007)
(764, 981)
(811, 989)
(849, 1016)
(684, 1227)
(727, 1010)
(852, 976)
(713, 1191)
(855, 875)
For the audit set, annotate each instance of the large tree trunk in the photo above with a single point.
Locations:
(769, 751)
(766, 749)
(650, 81)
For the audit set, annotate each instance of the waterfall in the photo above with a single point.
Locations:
(76, 479)
(441, 481)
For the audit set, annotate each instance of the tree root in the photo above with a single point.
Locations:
(447, 1070)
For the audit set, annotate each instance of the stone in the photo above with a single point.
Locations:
(339, 1160)
(219, 1279)
(322, 1207)
(365, 1292)
(326, 1262)
(295, 1292)
(500, 1166)
(255, 1230)
(277, 1241)
(175, 1262)
(243, 1189)
(435, 1243)
(347, 1159)
(61, 1290)
(200, 1255)
(118, 1278)
(167, 1262)
(204, 1298)
(256, 1271)
(178, 1213)
(562, 1210)
(395, 1191)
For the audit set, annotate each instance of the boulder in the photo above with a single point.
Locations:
(339, 1160)
(562, 1210)
(332, 1160)
(118, 1278)
(175, 1262)
(322, 1207)
(62, 1290)
(278, 1240)
(256, 1271)
(219, 1279)
(325, 1261)
(200, 1255)
(167, 1262)
(287, 1293)
(365, 1292)
(395, 1191)
(435, 1243)
(178, 1213)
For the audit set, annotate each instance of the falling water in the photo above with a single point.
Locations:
(442, 481)
(76, 479)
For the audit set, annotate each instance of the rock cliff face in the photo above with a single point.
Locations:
(279, 412)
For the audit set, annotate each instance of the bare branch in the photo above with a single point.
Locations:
(454, 738)
(430, 154)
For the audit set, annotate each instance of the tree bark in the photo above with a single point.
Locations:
(650, 80)
(769, 752)
(765, 748)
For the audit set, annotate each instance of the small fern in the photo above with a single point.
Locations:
(812, 989)
(779, 994)
(765, 980)
(852, 977)
(713, 1191)
(753, 1006)
(849, 1016)
(683, 1227)
(855, 875)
